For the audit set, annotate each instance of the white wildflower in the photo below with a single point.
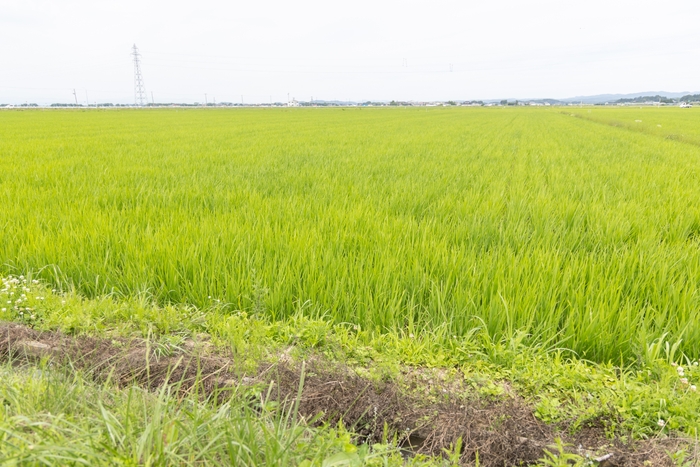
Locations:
(661, 423)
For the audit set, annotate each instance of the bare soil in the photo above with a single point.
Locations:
(503, 430)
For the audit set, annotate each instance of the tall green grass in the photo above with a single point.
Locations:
(49, 418)
(583, 235)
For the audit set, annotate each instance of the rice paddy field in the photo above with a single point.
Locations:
(350, 287)
(579, 233)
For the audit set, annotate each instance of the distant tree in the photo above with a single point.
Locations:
(690, 98)
(643, 99)
(504, 102)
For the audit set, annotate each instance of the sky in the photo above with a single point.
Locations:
(269, 50)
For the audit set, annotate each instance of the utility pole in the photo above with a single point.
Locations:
(76, 97)
(205, 100)
(139, 89)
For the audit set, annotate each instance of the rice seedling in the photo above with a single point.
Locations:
(523, 221)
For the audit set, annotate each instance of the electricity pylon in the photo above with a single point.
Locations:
(139, 88)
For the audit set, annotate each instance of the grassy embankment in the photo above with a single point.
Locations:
(97, 416)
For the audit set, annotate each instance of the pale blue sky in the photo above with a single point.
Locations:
(356, 50)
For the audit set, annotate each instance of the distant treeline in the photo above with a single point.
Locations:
(642, 99)
(657, 98)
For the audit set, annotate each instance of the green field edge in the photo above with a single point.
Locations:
(653, 397)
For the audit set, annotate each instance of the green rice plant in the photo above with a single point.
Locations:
(577, 234)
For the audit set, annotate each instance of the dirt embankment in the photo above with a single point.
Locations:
(503, 431)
